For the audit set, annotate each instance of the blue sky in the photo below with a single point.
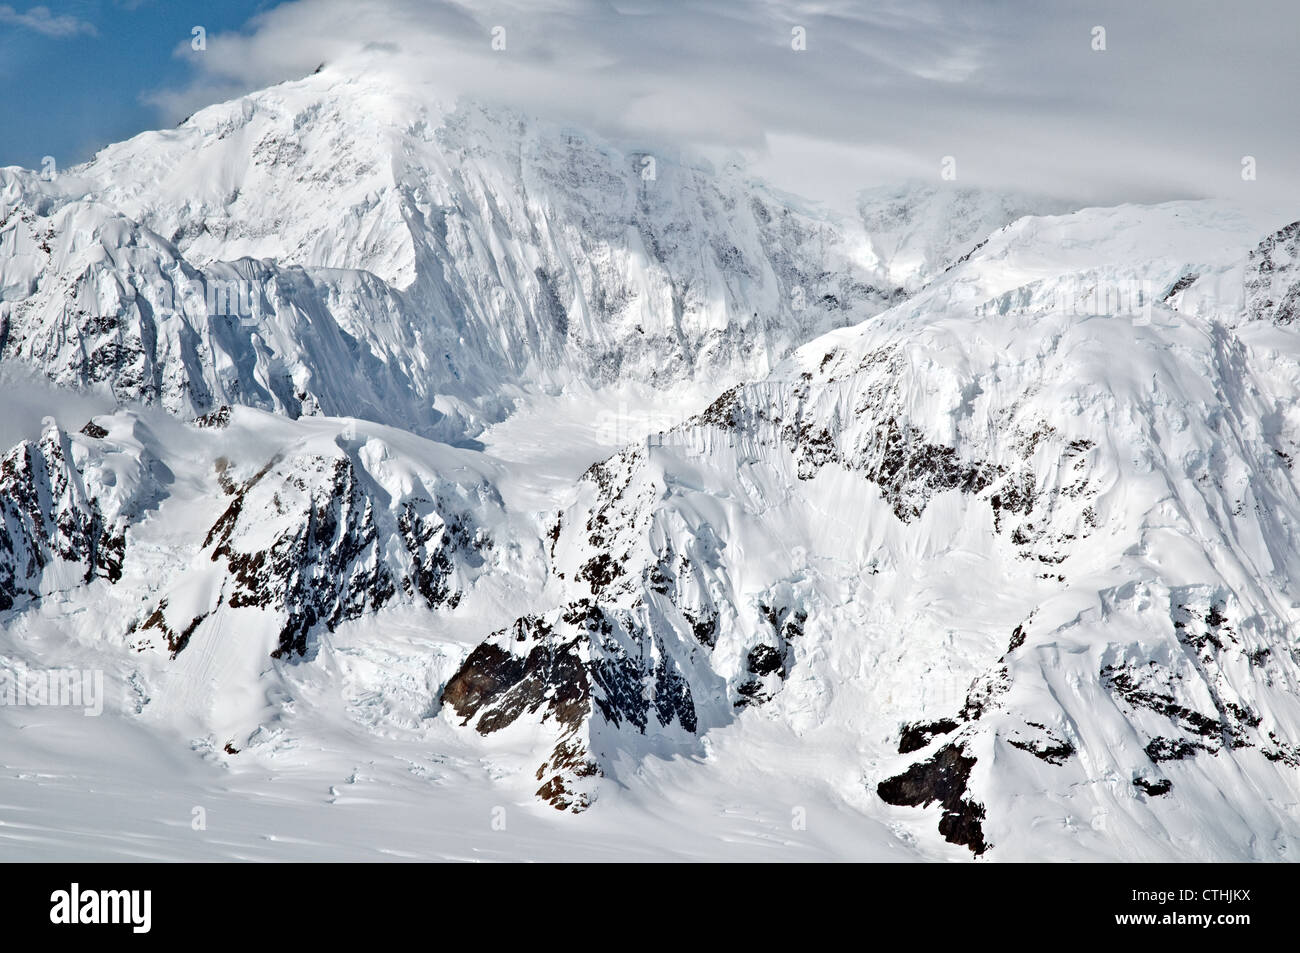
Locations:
(79, 75)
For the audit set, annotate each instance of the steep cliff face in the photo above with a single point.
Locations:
(1272, 284)
(600, 680)
(304, 537)
(53, 532)
(299, 529)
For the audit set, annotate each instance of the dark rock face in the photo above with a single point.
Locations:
(497, 686)
(176, 640)
(876, 440)
(1272, 284)
(435, 545)
(768, 663)
(46, 516)
(1182, 284)
(1043, 744)
(1210, 644)
(985, 693)
(1017, 639)
(325, 568)
(944, 779)
(1171, 749)
(945, 775)
(623, 577)
(611, 524)
(1142, 689)
(216, 419)
(328, 564)
(906, 467)
(704, 627)
(764, 660)
(570, 668)
(916, 736)
(1153, 788)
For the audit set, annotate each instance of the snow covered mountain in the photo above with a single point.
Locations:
(340, 245)
(967, 523)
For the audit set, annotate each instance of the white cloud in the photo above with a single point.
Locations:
(43, 21)
(1015, 92)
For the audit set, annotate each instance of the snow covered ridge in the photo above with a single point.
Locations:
(286, 529)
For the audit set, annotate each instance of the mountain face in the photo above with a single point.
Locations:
(960, 486)
(982, 533)
(310, 526)
(342, 247)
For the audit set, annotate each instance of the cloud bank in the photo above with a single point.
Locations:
(1165, 101)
